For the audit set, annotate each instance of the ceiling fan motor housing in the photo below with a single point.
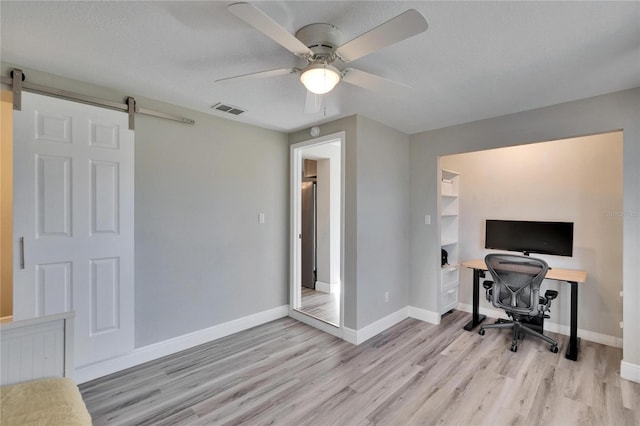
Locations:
(322, 39)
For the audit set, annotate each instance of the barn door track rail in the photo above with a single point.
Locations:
(17, 83)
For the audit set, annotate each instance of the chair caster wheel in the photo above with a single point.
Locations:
(481, 332)
(554, 349)
(514, 348)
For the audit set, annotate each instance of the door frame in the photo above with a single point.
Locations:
(296, 151)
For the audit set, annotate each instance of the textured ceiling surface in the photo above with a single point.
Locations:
(476, 60)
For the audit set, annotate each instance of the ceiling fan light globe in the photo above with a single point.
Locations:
(320, 78)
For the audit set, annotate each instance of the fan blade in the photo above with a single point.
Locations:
(263, 23)
(375, 83)
(313, 103)
(401, 27)
(257, 75)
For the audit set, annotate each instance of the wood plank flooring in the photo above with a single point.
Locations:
(323, 306)
(415, 373)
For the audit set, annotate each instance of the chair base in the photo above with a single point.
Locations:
(518, 328)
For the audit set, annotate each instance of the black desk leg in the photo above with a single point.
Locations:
(476, 318)
(574, 342)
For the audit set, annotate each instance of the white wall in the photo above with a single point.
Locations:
(328, 214)
(323, 223)
(595, 115)
(552, 181)
(335, 211)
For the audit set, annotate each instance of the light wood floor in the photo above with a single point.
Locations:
(321, 305)
(286, 373)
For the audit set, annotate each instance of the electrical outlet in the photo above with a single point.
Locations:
(261, 218)
(386, 297)
(427, 219)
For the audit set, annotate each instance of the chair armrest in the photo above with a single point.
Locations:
(487, 285)
(550, 294)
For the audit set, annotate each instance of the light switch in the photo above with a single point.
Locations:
(260, 217)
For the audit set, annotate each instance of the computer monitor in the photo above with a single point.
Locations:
(555, 238)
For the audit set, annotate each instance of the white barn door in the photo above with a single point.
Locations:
(73, 221)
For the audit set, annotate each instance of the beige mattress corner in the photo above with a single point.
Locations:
(55, 401)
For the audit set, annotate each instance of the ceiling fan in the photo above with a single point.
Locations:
(321, 46)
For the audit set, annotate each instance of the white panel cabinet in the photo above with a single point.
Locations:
(36, 348)
(449, 225)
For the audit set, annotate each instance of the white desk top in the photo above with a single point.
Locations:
(572, 275)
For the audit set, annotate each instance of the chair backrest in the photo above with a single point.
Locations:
(517, 281)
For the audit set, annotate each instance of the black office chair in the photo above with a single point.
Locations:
(516, 289)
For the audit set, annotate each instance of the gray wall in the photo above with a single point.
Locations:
(552, 181)
(201, 257)
(376, 217)
(383, 220)
(584, 117)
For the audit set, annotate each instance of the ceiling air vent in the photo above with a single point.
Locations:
(228, 108)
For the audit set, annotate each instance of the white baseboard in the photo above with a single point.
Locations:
(362, 335)
(553, 327)
(424, 315)
(177, 344)
(350, 335)
(630, 371)
(316, 323)
(327, 287)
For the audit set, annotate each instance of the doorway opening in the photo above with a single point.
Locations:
(552, 181)
(317, 232)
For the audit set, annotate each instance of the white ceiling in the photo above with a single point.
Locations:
(476, 60)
